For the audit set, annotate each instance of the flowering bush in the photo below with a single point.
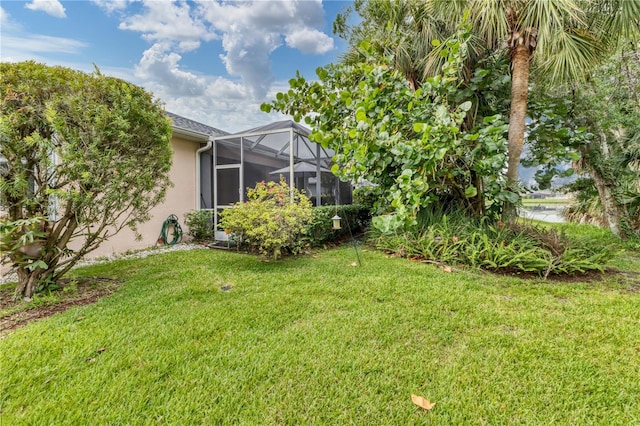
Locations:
(269, 221)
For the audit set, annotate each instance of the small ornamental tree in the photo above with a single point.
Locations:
(86, 155)
(270, 220)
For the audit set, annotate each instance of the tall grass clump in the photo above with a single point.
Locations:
(456, 239)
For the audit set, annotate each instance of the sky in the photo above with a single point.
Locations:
(213, 61)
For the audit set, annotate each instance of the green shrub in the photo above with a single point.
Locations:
(495, 246)
(366, 196)
(200, 224)
(355, 217)
(269, 222)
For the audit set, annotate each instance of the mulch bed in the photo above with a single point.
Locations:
(85, 292)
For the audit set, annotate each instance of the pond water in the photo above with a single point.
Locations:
(550, 214)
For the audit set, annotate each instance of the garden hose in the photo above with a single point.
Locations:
(167, 225)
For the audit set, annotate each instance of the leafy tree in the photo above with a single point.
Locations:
(401, 32)
(560, 39)
(408, 143)
(87, 155)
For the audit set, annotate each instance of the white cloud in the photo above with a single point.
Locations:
(250, 31)
(169, 21)
(111, 6)
(52, 7)
(223, 103)
(24, 46)
(271, 16)
(8, 24)
(309, 40)
(227, 107)
(248, 57)
(159, 66)
(214, 100)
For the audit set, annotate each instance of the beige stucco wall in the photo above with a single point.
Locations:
(180, 199)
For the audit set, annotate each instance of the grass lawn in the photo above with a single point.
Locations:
(314, 340)
(550, 202)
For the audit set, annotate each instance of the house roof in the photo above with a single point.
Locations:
(280, 125)
(274, 139)
(196, 130)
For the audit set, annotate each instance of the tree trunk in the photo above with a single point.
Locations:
(517, 117)
(518, 112)
(27, 282)
(609, 204)
(477, 202)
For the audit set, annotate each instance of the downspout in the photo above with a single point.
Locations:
(291, 162)
(318, 177)
(207, 147)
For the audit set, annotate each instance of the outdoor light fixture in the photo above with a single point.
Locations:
(336, 222)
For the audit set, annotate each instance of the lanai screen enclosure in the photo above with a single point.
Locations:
(265, 153)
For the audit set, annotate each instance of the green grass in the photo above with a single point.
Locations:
(314, 340)
(551, 202)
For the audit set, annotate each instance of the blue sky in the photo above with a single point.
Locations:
(213, 61)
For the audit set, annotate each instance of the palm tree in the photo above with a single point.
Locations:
(563, 39)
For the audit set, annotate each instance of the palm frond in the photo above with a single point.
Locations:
(548, 17)
(612, 17)
(489, 21)
(572, 54)
(632, 150)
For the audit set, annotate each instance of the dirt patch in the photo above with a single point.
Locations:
(629, 280)
(76, 292)
(586, 277)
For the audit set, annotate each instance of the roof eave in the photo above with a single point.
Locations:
(190, 135)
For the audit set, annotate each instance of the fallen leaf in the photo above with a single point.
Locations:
(91, 359)
(447, 268)
(315, 257)
(80, 318)
(102, 349)
(422, 403)
(354, 264)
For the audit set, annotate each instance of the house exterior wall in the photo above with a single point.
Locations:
(180, 199)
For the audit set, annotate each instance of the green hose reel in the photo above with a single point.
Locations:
(170, 227)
